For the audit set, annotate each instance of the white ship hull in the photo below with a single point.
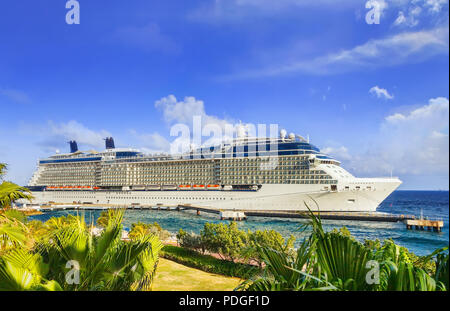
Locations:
(356, 195)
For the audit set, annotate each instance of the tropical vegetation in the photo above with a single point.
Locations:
(336, 261)
(233, 244)
(10, 192)
(207, 263)
(140, 229)
(64, 254)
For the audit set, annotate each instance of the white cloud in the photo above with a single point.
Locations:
(16, 96)
(435, 6)
(413, 143)
(151, 143)
(401, 19)
(341, 153)
(411, 20)
(183, 111)
(148, 38)
(79, 132)
(177, 112)
(230, 10)
(53, 136)
(380, 92)
(393, 50)
(412, 12)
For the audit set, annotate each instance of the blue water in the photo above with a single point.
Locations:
(432, 204)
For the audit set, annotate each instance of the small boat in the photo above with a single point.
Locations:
(169, 187)
(184, 187)
(213, 187)
(198, 187)
(138, 187)
(153, 187)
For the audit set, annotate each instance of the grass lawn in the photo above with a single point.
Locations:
(171, 276)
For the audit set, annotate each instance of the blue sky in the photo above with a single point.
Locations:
(373, 95)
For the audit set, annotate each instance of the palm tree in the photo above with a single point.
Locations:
(103, 262)
(22, 270)
(12, 234)
(10, 192)
(2, 169)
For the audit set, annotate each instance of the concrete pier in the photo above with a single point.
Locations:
(422, 224)
(410, 220)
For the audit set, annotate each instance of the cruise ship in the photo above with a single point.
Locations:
(285, 173)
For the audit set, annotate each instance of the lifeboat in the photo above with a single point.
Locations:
(198, 187)
(153, 187)
(213, 187)
(169, 187)
(96, 188)
(140, 187)
(184, 187)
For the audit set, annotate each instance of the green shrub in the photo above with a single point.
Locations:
(225, 239)
(231, 243)
(269, 239)
(207, 263)
(191, 241)
(140, 229)
(400, 253)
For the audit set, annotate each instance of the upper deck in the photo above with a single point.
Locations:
(237, 148)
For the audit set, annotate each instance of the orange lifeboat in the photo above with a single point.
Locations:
(184, 187)
(199, 187)
(213, 187)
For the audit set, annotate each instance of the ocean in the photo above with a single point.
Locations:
(432, 204)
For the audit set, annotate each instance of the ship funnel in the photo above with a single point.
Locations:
(73, 146)
(109, 142)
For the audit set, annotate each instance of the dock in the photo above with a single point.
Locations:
(422, 224)
(411, 221)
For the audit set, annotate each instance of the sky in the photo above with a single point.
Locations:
(371, 93)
